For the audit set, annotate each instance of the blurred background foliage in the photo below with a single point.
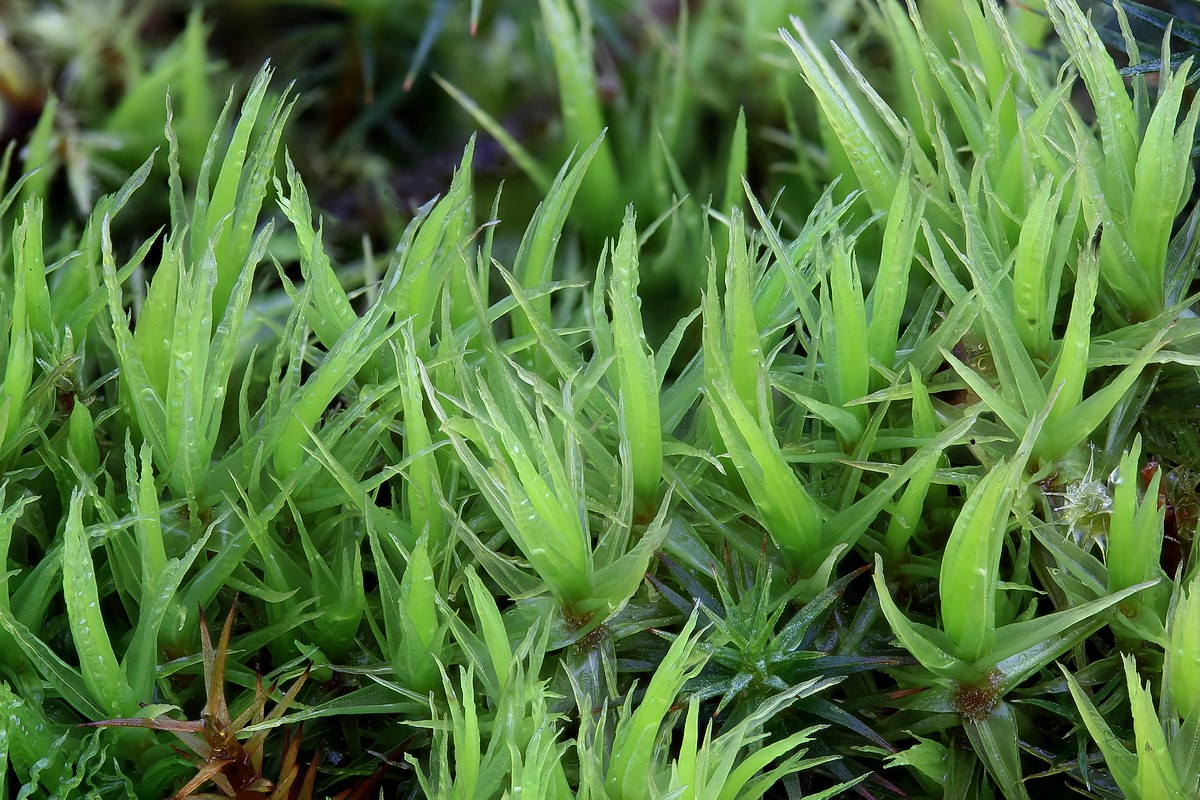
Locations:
(376, 135)
(384, 85)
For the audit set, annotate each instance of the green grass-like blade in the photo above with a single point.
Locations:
(1022, 648)
(421, 632)
(1114, 109)
(330, 313)
(1156, 772)
(735, 170)
(306, 405)
(425, 513)
(102, 673)
(745, 361)
(1136, 531)
(970, 566)
(570, 36)
(906, 517)
(65, 679)
(996, 742)
(637, 735)
(491, 626)
(1092, 412)
(415, 283)
(226, 219)
(1161, 176)
(38, 161)
(873, 166)
(520, 156)
(534, 263)
(29, 257)
(160, 590)
(1071, 365)
(929, 646)
(1032, 300)
(850, 351)
(889, 292)
(638, 381)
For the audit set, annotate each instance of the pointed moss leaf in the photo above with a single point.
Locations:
(419, 275)
(159, 598)
(1161, 177)
(1071, 558)
(1135, 528)
(1033, 312)
(1009, 414)
(615, 583)
(848, 525)
(637, 380)
(907, 513)
(65, 679)
(1094, 410)
(1156, 772)
(8, 518)
(842, 420)
(1182, 668)
(306, 406)
(1185, 753)
(1114, 110)
(534, 263)
(928, 645)
(850, 348)
(82, 436)
(1071, 365)
(871, 164)
(996, 742)
(517, 152)
(889, 292)
(570, 35)
(38, 155)
(636, 735)
(330, 313)
(240, 188)
(735, 170)
(970, 567)
(102, 673)
(491, 626)
(381, 697)
(29, 257)
(1022, 648)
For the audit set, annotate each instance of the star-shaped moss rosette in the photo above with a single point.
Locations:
(233, 766)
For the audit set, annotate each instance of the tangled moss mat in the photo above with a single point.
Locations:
(850, 452)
